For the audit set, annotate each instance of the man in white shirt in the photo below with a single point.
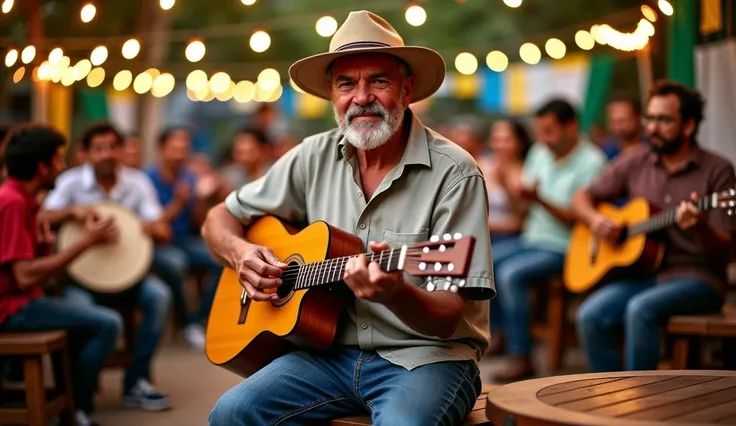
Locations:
(103, 178)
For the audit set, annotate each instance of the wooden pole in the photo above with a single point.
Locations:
(39, 89)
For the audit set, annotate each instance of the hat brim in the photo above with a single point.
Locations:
(427, 66)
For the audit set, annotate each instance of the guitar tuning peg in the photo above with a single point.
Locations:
(430, 284)
(447, 237)
(447, 285)
(458, 235)
(732, 192)
(461, 283)
(434, 238)
(453, 288)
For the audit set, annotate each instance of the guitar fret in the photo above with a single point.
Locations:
(297, 284)
(322, 270)
(390, 257)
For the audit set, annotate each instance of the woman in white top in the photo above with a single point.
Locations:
(509, 142)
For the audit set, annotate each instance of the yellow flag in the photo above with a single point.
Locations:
(711, 16)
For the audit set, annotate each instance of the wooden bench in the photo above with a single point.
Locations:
(40, 406)
(687, 331)
(476, 417)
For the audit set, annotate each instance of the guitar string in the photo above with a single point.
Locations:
(339, 262)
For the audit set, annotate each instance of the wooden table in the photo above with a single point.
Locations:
(635, 398)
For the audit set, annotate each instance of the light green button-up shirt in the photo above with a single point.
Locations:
(435, 189)
(558, 182)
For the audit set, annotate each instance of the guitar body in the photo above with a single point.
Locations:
(590, 262)
(245, 337)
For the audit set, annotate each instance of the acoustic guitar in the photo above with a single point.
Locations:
(591, 261)
(244, 335)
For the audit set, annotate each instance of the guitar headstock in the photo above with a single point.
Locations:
(447, 257)
(726, 200)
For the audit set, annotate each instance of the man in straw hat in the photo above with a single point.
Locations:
(405, 355)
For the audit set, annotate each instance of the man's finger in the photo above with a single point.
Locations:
(264, 268)
(375, 274)
(378, 246)
(262, 282)
(272, 259)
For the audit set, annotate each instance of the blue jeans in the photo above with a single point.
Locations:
(152, 298)
(641, 308)
(173, 262)
(306, 388)
(517, 266)
(91, 333)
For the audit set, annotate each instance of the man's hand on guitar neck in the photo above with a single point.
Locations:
(368, 281)
(687, 214)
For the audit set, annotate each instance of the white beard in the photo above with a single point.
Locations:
(367, 135)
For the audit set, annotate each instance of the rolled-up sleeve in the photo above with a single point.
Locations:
(280, 192)
(463, 208)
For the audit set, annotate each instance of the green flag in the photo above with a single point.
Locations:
(681, 39)
(599, 88)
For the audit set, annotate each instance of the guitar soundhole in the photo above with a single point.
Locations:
(286, 289)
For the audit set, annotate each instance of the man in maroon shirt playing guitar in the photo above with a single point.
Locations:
(33, 158)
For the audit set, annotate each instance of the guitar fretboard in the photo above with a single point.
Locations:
(331, 271)
(668, 217)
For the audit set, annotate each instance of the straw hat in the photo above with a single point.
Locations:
(366, 32)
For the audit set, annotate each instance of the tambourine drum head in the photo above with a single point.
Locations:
(110, 268)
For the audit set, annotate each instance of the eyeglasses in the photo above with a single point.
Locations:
(664, 120)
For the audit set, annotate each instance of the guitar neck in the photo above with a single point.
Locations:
(667, 218)
(331, 271)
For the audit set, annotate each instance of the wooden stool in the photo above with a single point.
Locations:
(475, 418)
(555, 330)
(39, 406)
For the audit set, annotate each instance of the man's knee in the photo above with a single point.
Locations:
(171, 259)
(156, 296)
(236, 407)
(639, 309)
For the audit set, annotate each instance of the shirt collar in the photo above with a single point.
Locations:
(417, 147)
(695, 158)
(19, 188)
(89, 180)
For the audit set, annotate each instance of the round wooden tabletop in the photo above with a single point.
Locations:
(631, 398)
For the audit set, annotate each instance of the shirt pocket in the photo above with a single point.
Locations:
(398, 239)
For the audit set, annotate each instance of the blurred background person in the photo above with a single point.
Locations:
(250, 157)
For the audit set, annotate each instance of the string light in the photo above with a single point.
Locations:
(196, 80)
(512, 3)
(131, 48)
(244, 91)
(649, 13)
(665, 7)
(269, 79)
(98, 55)
(166, 5)
(95, 77)
(195, 51)
(11, 58)
(88, 12)
(260, 41)
(415, 15)
(7, 6)
(584, 40)
(466, 63)
(55, 56)
(326, 26)
(555, 48)
(497, 61)
(219, 82)
(530, 53)
(248, 2)
(122, 80)
(28, 54)
(142, 83)
(18, 74)
(82, 69)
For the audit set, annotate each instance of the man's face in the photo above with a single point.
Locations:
(247, 150)
(665, 129)
(557, 136)
(104, 154)
(50, 172)
(369, 97)
(623, 121)
(175, 151)
(132, 156)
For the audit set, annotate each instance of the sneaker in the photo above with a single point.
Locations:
(83, 420)
(145, 397)
(194, 336)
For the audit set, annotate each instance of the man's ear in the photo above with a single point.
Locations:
(408, 90)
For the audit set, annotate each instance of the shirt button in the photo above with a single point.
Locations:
(364, 326)
(362, 226)
(360, 194)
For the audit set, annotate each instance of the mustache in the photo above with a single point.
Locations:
(373, 108)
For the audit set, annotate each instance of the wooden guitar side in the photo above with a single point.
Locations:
(590, 262)
(244, 342)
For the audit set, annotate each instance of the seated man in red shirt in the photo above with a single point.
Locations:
(33, 157)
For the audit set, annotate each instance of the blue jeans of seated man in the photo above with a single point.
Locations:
(305, 388)
(517, 266)
(91, 334)
(641, 308)
(152, 298)
(173, 262)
